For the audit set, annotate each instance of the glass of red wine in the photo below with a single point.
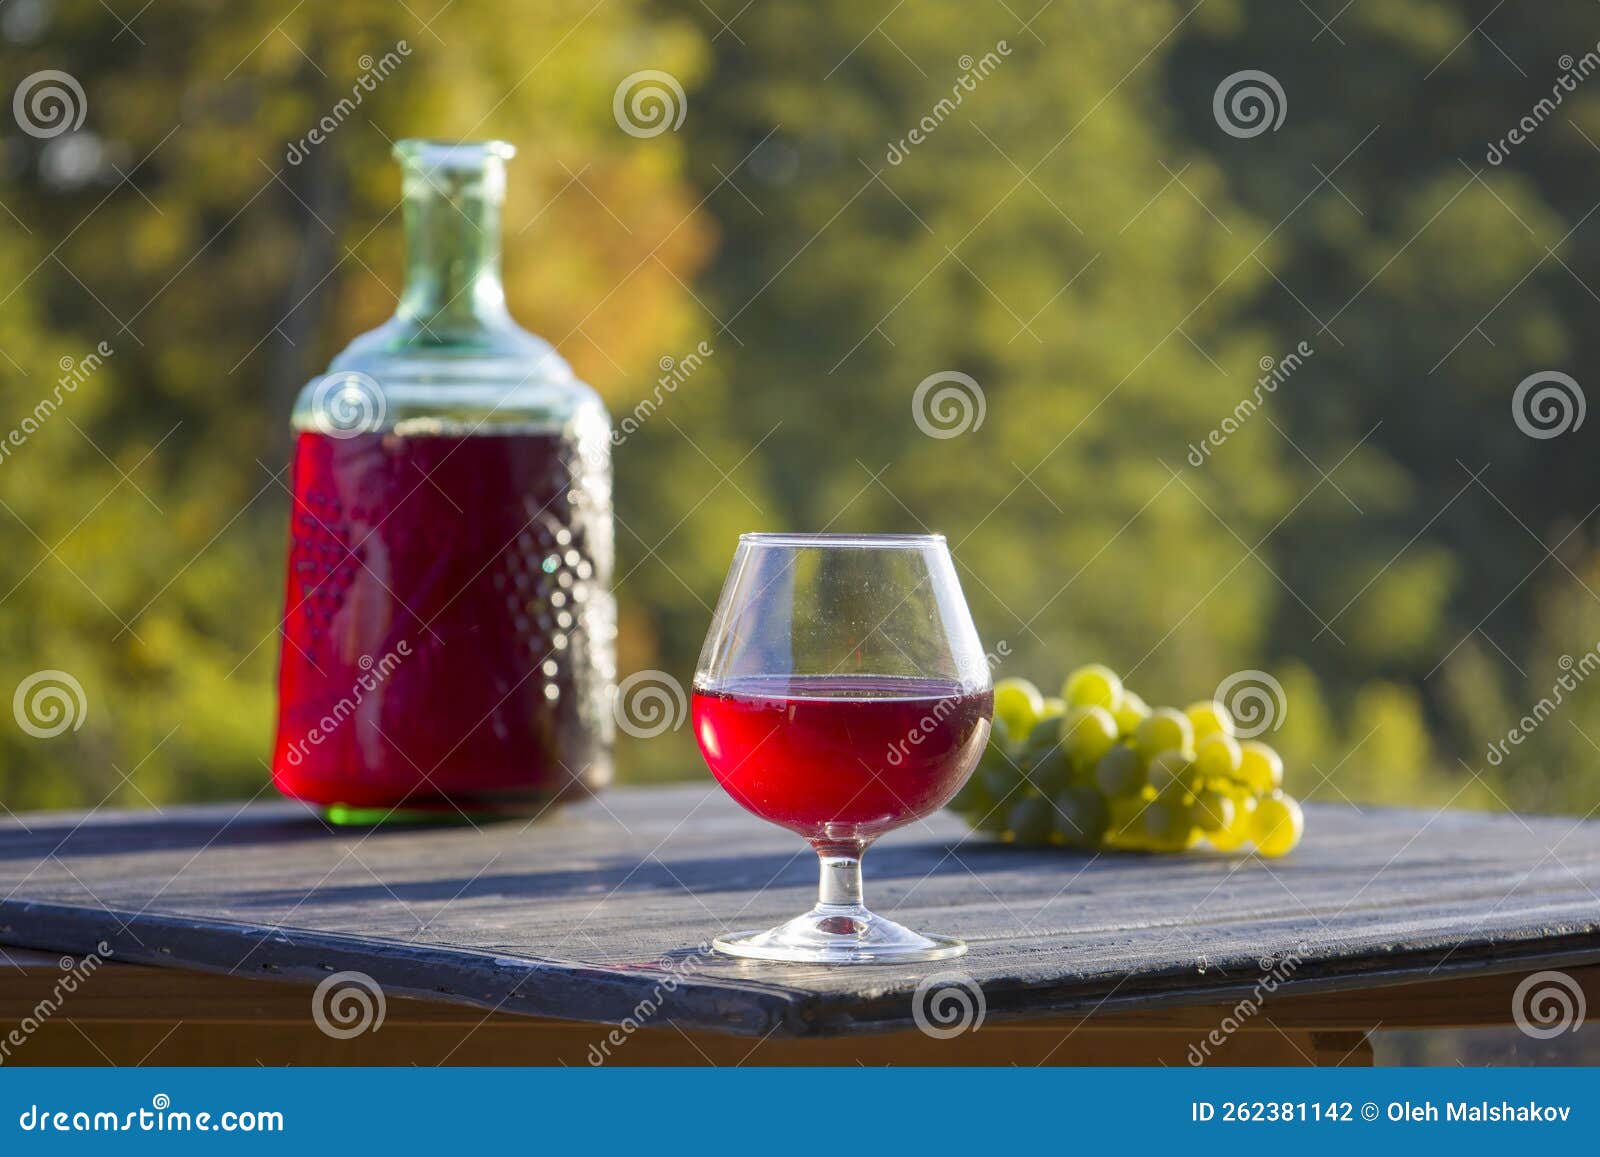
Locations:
(842, 692)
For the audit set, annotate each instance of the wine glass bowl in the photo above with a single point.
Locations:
(842, 692)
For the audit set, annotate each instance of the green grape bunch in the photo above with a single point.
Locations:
(1098, 767)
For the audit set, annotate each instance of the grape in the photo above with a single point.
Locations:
(1277, 825)
(1217, 756)
(1120, 772)
(1130, 712)
(1169, 769)
(1087, 734)
(1082, 815)
(1040, 744)
(1209, 717)
(1214, 812)
(1109, 771)
(1054, 709)
(1226, 840)
(1126, 829)
(1167, 824)
(1093, 686)
(1031, 820)
(1164, 728)
(1053, 775)
(1044, 761)
(1237, 833)
(1017, 704)
(1260, 767)
(1000, 780)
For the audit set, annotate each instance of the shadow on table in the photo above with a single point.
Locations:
(617, 877)
(177, 829)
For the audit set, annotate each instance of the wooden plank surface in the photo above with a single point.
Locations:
(586, 913)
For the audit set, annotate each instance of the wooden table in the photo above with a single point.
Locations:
(519, 943)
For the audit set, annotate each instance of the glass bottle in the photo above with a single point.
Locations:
(449, 627)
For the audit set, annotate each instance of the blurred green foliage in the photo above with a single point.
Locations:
(1077, 233)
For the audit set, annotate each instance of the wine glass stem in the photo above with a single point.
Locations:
(840, 884)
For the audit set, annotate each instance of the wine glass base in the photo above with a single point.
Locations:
(839, 936)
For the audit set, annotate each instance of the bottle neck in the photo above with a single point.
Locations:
(452, 227)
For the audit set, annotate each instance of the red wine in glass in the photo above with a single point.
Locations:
(841, 692)
(844, 757)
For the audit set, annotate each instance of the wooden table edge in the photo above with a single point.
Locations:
(1470, 993)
